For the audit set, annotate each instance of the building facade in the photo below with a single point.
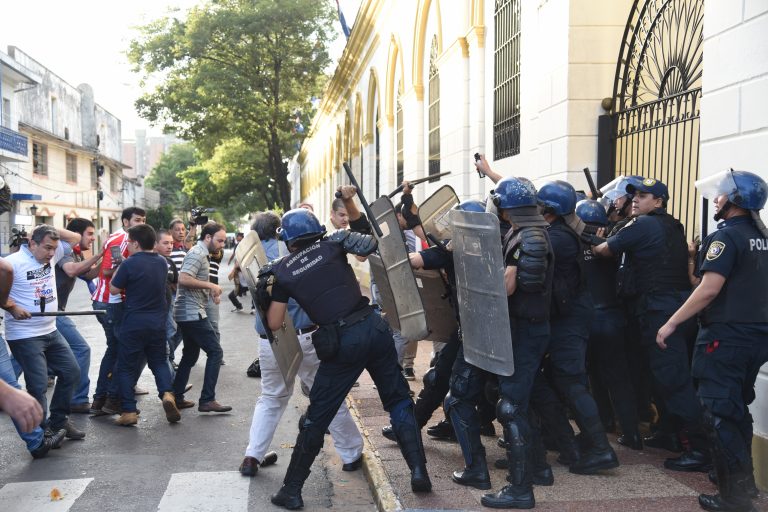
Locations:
(70, 141)
(672, 90)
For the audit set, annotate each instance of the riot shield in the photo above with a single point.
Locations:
(433, 212)
(397, 278)
(436, 297)
(285, 345)
(479, 267)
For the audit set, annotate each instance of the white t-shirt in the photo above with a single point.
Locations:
(32, 282)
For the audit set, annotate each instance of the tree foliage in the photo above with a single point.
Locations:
(165, 177)
(237, 73)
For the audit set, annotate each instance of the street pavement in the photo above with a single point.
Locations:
(189, 466)
(641, 483)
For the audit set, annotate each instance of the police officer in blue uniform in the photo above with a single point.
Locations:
(350, 339)
(610, 371)
(570, 324)
(653, 282)
(528, 275)
(731, 347)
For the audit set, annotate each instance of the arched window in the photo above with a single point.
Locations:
(399, 146)
(506, 79)
(434, 111)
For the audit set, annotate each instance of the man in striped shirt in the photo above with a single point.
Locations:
(180, 247)
(105, 398)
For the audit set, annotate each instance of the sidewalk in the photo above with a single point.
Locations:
(640, 484)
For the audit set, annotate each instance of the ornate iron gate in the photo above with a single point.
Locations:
(656, 100)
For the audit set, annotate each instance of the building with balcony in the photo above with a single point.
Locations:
(68, 136)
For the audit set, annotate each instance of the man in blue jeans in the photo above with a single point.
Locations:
(35, 342)
(24, 410)
(71, 266)
(194, 290)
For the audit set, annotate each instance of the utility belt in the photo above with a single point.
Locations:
(327, 338)
(304, 330)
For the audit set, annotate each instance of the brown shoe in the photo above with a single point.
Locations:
(80, 408)
(184, 404)
(97, 404)
(249, 467)
(172, 413)
(111, 406)
(127, 419)
(213, 406)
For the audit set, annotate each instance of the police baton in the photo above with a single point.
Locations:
(417, 181)
(68, 313)
(366, 207)
(592, 188)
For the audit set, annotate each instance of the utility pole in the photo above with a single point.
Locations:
(99, 197)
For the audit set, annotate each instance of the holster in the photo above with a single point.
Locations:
(326, 341)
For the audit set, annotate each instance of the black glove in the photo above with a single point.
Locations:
(263, 297)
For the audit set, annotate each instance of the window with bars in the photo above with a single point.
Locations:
(506, 79)
(434, 111)
(114, 182)
(39, 159)
(71, 168)
(400, 159)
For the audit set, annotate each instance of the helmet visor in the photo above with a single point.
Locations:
(717, 185)
(615, 184)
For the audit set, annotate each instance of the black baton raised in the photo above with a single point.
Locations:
(68, 313)
(366, 207)
(417, 181)
(592, 188)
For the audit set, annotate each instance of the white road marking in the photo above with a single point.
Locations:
(224, 491)
(36, 496)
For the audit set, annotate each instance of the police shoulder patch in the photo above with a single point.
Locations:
(716, 248)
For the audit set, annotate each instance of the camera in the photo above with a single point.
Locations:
(19, 237)
(198, 215)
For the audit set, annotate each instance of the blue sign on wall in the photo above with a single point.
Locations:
(13, 141)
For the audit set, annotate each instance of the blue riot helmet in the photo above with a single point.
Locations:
(592, 212)
(299, 225)
(744, 189)
(511, 192)
(558, 196)
(471, 205)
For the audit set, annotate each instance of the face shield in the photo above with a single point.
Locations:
(717, 185)
(614, 184)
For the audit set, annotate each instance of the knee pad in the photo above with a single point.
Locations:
(449, 403)
(507, 411)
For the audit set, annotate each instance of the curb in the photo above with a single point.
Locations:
(373, 468)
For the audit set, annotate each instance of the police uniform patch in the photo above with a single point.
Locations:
(716, 248)
(516, 255)
(649, 182)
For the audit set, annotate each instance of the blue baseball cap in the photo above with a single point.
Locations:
(649, 185)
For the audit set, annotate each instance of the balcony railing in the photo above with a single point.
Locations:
(13, 141)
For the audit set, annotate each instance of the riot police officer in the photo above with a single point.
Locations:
(653, 282)
(528, 275)
(609, 372)
(731, 345)
(350, 339)
(570, 324)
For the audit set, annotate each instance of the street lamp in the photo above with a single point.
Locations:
(33, 210)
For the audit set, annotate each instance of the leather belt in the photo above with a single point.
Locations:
(356, 316)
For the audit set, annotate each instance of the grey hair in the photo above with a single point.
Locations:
(265, 224)
(42, 231)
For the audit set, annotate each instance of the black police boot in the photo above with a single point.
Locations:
(475, 474)
(751, 487)
(389, 433)
(664, 441)
(733, 496)
(631, 440)
(569, 451)
(409, 439)
(690, 461)
(443, 431)
(541, 471)
(600, 456)
(304, 453)
(519, 493)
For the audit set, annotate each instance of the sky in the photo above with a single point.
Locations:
(84, 41)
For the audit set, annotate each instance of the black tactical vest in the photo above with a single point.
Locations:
(568, 280)
(668, 269)
(531, 306)
(743, 298)
(600, 274)
(321, 280)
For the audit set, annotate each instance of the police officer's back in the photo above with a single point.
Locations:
(350, 339)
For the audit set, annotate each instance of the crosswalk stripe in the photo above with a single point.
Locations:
(224, 491)
(40, 496)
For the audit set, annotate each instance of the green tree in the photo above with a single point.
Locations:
(165, 177)
(237, 69)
